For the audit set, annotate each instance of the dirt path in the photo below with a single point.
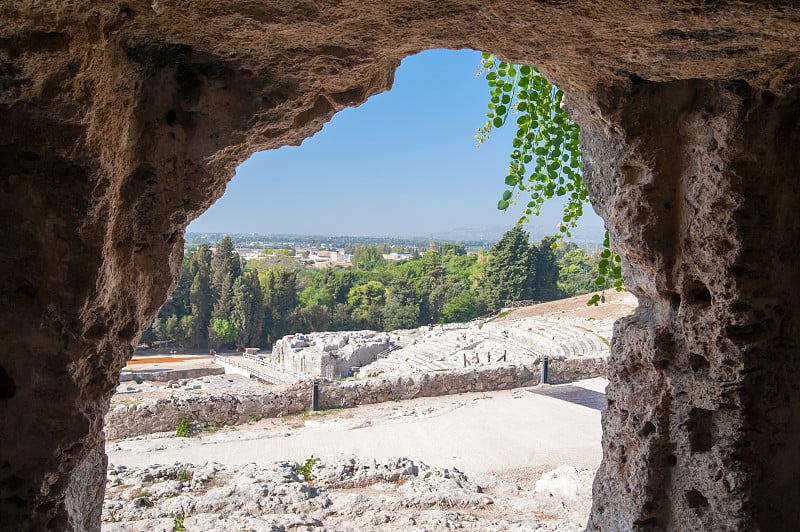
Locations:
(617, 304)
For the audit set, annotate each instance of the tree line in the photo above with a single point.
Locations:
(223, 302)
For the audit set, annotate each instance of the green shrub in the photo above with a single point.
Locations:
(177, 525)
(306, 470)
(184, 429)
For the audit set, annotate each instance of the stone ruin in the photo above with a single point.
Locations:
(123, 120)
(329, 354)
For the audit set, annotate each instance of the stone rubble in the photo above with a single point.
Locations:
(342, 494)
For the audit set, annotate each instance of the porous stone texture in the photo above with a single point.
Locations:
(704, 170)
(344, 494)
(122, 121)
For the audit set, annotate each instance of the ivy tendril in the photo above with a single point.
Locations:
(546, 159)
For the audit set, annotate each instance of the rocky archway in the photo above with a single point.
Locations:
(121, 121)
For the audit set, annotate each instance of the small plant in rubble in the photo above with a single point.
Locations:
(307, 469)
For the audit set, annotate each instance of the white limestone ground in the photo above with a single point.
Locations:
(505, 440)
(345, 494)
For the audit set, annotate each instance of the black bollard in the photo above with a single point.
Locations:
(545, 361)
(315, 396)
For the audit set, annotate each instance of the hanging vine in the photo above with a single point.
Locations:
(545, 160)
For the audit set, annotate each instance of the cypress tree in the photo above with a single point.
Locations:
(546, 281)
(200, 296)
(247, 314)
(510, 270)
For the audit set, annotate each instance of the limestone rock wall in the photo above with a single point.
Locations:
(700, 433)
(122, 121)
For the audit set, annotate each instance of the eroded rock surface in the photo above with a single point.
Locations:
(344, 494)
(704, 170)
(121, 121)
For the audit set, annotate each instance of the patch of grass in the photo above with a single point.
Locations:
(253, 419)
(141, 494)
(210, 428)
(177, 524)
(184, 428)
(307, 412)
(184, 475)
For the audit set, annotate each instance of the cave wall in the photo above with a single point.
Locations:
(122, 121)
(701, 195)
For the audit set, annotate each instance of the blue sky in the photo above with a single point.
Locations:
(405, 163)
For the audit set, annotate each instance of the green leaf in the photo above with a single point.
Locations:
(497, 122)
(506, 195)
(502, 205)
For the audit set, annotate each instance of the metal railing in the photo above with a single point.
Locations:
(392, 347)
(253, 372)
(297, 375)
(521, 303)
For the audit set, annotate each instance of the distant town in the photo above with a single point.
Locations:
(321, 251)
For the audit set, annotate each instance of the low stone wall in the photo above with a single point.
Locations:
(168, 374)
(216, 409)
(573, 369)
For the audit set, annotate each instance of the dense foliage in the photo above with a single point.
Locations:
(222, 303)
